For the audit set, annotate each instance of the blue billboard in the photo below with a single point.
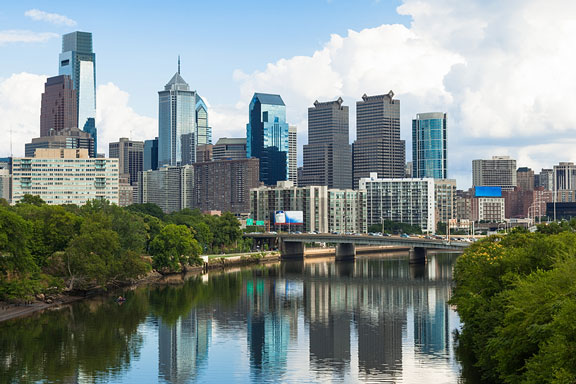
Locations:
(488, 192)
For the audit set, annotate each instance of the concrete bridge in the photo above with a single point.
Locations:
(292, 245)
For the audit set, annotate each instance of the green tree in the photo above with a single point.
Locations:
(148, 209)
(173, 248)
(226, 230)
(15, 237)
(32, 200)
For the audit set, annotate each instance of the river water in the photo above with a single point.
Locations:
(375, 320)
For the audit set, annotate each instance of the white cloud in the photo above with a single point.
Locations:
(54, 18)
(20, 96)
(21, 36)
(116, 119)
(504, 72)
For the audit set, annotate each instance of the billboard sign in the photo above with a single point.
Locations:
(249, 221)
(260, 222)
(488, 192)
(289, 217)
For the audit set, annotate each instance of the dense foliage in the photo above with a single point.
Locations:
(46, 248)
(394, 227)
(516, 296)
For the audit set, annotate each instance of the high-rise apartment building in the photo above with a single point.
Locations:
(131, 157)
(293, 154)
(170, 187)
(176, 123)
(65, 176)
(445, 200)
(545, 179)
(224, 185)
(500, 171)
(429, 150)
(565, 176)
(229, 148)
(59, 106)
(78, 61)
(267, 137)
(378, 147)
(408, 201)
(328, 154)
(150, 156)
(71, 138)
(525, 179)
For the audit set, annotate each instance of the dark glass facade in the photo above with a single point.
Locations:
(429, 150)
(150, 155)
(267, 137)
(59, 108)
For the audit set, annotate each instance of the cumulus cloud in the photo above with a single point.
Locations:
(53, 18)
(22, 36)
(20, 97)
(504, 72)
(116, 119)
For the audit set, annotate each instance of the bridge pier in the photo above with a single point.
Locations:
(418, 255)
(345, 251)
(292, 250)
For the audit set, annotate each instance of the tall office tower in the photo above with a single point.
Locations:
(229, 149)
(177, 123)
(203, 131)
(500, 171)
(378, 147)
(267, 137)
(525, 178)
(565, 176)
(545, 179)
(429, 155)
(150, 156)
(328, 154)
(131, 157)
(293, 154)
(78, 61)
(59, 108)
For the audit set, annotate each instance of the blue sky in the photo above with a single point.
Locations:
(503, 71)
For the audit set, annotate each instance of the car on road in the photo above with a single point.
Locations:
(405, 235)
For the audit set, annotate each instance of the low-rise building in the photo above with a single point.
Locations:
(408, 201)
(65, 176)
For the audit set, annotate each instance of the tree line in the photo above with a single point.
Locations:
(47, 248)
(516, 296)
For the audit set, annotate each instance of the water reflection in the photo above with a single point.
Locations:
(376, 319)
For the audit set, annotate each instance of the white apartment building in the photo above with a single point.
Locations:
(65, 176)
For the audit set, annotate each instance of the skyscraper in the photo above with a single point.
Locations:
(378, 147)
(177, 123)
(59, 108)
(429, 155)
(267, 137)
(328, 155)
(130, 154)
(150, 156)
(78, 61)
(293, 154)
(203, 131)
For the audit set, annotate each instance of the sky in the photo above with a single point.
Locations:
(503, 71)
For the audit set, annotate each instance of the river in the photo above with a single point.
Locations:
(375, 320)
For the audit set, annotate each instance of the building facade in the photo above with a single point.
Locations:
(267, 137)
(500, 171)
(150, 156)
(293, 154)
(378, 147)
(59, 106)
(78, 61)
(525, 179)
(225, 185)
(65, 176)
(70, 138)
(445, 199)
(130, 154)
(545, 179)
(328, 154)
(203, 129)
(177, 138)
(408, 201)
(170, 187)
(488, 209)
(229, 148)
(324, 210)
(565, 176)
(205, 152)
(429, 146)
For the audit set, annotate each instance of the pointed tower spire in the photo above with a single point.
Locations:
(178, 64)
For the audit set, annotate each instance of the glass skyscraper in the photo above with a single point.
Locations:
(429, 157)
(177, 123)
(78, 61)
(267, 137)
(203, 131)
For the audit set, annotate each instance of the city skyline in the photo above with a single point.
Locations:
(444, 68)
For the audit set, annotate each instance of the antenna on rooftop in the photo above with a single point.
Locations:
(178, 64)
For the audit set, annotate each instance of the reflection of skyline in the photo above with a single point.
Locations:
(183, 347)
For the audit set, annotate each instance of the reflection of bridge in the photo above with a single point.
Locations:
(292, 245)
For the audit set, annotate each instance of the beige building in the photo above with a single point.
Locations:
(65, 176)
(445, 197)
(488, 209)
